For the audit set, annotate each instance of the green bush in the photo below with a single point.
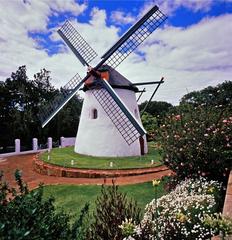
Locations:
(26, 215)
(197, 141)
(150, 124)
(112, 209)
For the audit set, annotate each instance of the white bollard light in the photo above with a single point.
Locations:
(17, 145)
(35, 144)
(72, 162)
(152, 161)
(49, 143)
(111, 164)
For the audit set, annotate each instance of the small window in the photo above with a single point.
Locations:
(94, 113)
(136, 113)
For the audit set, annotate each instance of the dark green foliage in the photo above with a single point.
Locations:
(21, 100)
(112, 207)
(156, 108)
(26, 215)
(153, 116)
(219, 95)
(150, 124)
(80, 227)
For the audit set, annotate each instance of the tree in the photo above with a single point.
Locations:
(150, 124)
(219, 95)
(21, 101)
(156, 108)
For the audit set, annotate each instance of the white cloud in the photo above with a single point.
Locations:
(17, 19)
(170, 6)
(189, 58)
(67, 6)
(120, 17)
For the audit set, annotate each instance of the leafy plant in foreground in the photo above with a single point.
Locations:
(112, 208)
(26, 215)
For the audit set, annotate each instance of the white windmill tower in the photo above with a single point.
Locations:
(97, 129)
(110, 123)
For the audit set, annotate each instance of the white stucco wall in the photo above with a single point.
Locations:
(99, 137)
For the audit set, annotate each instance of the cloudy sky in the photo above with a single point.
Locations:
(192, 49)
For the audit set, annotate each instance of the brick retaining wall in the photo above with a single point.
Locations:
(59, 171)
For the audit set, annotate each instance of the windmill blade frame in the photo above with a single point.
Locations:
(119, 51)
(60, 99)
(120, 115)
(77, 43)
(134, 37)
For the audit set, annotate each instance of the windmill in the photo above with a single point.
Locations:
(110, 124)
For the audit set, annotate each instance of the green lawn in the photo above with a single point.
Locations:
(64, 157)
(73, 198)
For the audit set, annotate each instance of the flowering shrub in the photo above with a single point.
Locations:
(181, 213)
(197, 141)
(219, 223)
(128, 229)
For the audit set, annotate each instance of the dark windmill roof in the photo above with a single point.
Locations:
(117, 80)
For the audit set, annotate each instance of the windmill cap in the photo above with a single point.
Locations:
(116, 80)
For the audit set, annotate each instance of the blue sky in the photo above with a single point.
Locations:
(192, 49)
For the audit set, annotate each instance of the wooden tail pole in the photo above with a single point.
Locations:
(157, 87)
(141, 94)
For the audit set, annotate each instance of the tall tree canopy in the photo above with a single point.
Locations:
(219, 95)
(21, 100)
(156, 107)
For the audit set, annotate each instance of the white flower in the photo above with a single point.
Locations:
(175, 210)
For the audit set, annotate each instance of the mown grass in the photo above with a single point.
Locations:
(72, 198)
(67, 156)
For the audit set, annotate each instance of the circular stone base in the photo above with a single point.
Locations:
(58, 171)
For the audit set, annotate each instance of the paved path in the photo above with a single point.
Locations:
(25, 164)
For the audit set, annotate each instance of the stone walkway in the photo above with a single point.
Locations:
(25, 164)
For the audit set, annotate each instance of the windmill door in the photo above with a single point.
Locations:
(141, 142)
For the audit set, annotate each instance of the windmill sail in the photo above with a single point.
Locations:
(113, 57)
(120, 115)
(77, 43)
(60, 99)
(134, 37)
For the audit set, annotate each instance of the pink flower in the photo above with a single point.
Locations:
(177, 117)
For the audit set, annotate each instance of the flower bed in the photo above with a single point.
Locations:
(181, 213)
(188, 212)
